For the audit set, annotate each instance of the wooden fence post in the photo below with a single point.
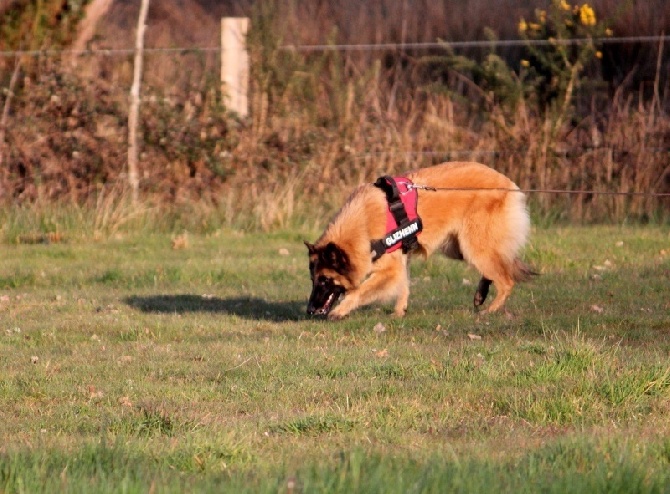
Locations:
(235, 64)
(133, 116)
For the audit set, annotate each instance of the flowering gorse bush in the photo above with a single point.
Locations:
(562, 41)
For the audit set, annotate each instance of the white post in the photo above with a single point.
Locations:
(235, 64)
(133, 116)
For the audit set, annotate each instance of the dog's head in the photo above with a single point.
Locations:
(328, 269)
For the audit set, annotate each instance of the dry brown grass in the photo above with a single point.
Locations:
(321, 122)
(283, 161)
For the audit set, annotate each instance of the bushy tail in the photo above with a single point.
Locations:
(522, 271)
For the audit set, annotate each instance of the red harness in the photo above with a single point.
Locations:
(403, 224)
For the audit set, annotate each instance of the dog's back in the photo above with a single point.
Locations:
(476, 214)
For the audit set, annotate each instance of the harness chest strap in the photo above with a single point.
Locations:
(403, 224)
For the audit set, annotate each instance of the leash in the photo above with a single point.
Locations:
(537, 191)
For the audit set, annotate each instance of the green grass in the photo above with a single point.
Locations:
(128, 366)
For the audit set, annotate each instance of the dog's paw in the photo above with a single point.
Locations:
(336, 316)
(482, 313)
(503, 312)
(400, 313)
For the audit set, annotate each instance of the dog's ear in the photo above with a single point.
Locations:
(310, 247)
(335, 258)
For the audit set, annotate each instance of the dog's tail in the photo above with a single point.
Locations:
(522, 271)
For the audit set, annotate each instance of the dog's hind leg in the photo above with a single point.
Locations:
(504, 274)
(503, 291)
(504, 285)
(494, 270)
(452, 249)
(388, 280)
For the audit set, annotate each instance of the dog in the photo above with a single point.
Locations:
(466, 210)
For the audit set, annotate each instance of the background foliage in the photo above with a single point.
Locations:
(557, 116)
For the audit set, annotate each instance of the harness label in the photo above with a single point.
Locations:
(402, 233)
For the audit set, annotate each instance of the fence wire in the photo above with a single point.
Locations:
(441, 44)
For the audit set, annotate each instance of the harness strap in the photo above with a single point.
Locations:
(377, 249)
(407, 228)
(388, 185)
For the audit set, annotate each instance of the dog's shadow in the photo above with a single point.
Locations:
(247, 307)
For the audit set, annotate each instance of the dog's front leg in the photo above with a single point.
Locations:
(388, 280)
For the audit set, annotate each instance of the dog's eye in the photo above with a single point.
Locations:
(323, 280)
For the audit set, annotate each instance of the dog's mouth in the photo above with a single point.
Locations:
(325, 309)
(322, 300)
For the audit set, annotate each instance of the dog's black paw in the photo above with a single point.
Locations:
(482, 291)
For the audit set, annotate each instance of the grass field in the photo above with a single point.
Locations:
(132, 366)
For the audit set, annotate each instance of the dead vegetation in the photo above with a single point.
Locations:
(319, 121)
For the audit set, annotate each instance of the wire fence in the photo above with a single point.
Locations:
(441, 44)
(478, 44)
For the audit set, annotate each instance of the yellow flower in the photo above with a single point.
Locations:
(542, 16)
(525, 63)
(599, 54)
(522, 26)
(534, 26)
(608, 32)
(565, 5)
(587, 16)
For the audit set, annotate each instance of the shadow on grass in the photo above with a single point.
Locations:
(247, 307)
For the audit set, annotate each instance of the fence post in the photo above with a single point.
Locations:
(133, 116)
(235, 64)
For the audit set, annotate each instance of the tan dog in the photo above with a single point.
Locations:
(486, 228)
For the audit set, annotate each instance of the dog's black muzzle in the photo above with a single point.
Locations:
(324, 295)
